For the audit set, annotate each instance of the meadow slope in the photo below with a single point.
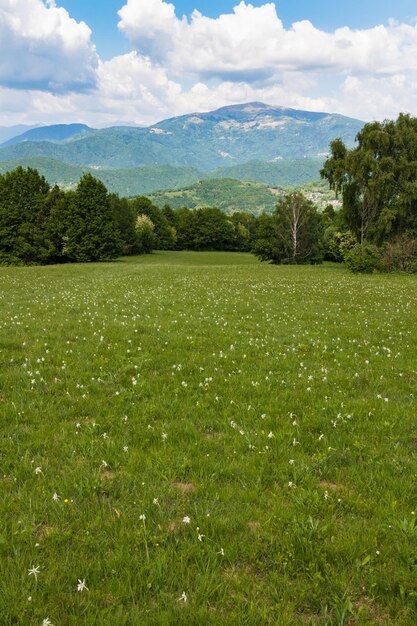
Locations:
(196, 438)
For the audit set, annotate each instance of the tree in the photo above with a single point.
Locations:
(92, 233)
(163, 231)
(213, 230)
(23, 212)
(186, 226)
(125, 217)
(295, 234)
(145, 234)
(377, 180)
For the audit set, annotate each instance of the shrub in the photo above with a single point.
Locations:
(363, 259)
(399, 255)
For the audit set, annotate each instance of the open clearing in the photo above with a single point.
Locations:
(201, 439)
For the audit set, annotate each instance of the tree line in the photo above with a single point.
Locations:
(375, 229)
(41, 225)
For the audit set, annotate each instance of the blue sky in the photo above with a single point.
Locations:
(105, 62)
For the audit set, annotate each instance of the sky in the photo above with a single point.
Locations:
(107, 62)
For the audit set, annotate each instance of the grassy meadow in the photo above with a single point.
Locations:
(198, 439)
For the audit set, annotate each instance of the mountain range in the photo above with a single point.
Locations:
(253, 141)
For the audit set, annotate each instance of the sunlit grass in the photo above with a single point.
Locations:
(201, 439)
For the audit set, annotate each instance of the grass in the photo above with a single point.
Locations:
(229, 443)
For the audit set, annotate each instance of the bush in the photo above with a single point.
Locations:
(363, 259)
(399, 255)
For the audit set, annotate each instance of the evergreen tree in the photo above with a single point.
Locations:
(125, 217)
(186, 227)
(23, 211)
(93, 233)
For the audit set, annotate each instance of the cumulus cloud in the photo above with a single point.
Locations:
(42, 47)
(50, 71)
(252, 41)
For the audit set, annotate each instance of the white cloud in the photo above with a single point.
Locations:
(42, 47)
(50, 71)
(253, 42)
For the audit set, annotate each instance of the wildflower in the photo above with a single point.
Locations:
(81, 585)
(164, 436)
(156, 501)
(183, 598)
(125, 448)
(142, 517)
(221, 552)
(38, 470)
(186, 520)
(34, 572)
(46, 622)
(55, 497)
(200, 537)
(271, 435)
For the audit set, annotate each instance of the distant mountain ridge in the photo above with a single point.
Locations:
(8, 132)
(56, 132)
(232, 135)
(147, 179)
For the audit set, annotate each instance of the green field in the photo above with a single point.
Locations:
(228, 443)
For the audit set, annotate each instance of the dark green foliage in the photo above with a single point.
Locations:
(399, 255)
(56, 223)
(125, 216)
(245, 229)
(378, 180)
(185, 228)
(23, 213)
(213, 230)
(265, 239)
(293, 234)
(164, 236)
(92, 232)
(363, 259)
(210, 229)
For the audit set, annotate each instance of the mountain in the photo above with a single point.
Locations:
(7, 132)
(184, 186)
(224, 193)
(150, 178)
(125, 182)
(56, 132)
(232, 195)
(229, 136)
(286, 173)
